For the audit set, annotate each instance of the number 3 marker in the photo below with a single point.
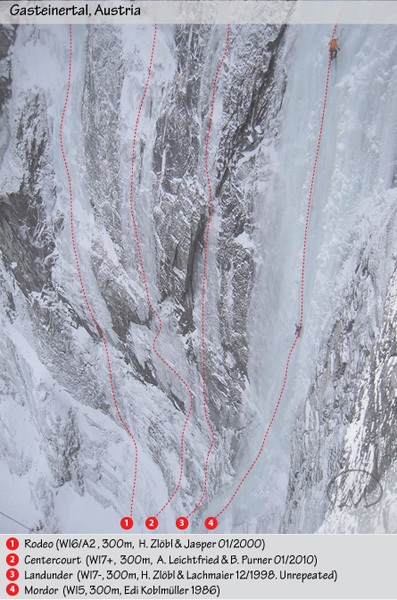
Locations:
(182, 523)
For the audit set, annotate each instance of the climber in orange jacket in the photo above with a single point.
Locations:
(333, 48)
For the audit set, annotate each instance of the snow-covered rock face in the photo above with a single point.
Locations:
(66, 461)
(343, 454)
(55, 364)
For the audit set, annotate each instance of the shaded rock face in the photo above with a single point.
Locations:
(181, 212)
(27, 241)
(262, 102)
(7, 38)
(181, 203)
(70, 390)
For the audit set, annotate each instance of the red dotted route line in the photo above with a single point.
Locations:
(309, 202)
(304, 252)
(77, 261)
(205, 265)
(146, 286)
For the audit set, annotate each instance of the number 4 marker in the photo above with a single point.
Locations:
(211, 523)
(12, 589)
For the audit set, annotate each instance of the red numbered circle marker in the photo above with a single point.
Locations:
(126, 523)
(12, 559)
(12, 574)
(12, 543)
(12, 589)
(182, 523)
(151, 523)
(211, 523)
